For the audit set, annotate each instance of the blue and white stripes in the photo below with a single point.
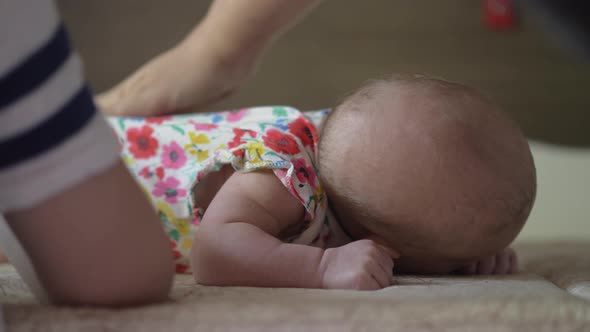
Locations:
(51, 136)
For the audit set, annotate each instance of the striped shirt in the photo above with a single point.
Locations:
(51, 136)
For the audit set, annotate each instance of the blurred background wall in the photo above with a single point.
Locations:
(344, 42)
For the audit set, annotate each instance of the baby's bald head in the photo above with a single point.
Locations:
(431, 166)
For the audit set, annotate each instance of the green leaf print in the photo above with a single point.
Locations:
(178, 129)
(309, 202)
(190, 209)
(279, 112)
(163, 217)
(271, 153)
(174, 235)
(122, 124)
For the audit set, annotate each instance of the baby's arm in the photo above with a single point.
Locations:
(237, 243)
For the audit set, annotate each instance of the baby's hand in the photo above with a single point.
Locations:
(362, 265)
(504, 262)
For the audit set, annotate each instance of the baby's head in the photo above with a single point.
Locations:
(431, 167)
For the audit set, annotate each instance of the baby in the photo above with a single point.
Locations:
(415, 171)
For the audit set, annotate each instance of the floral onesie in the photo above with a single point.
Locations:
(168, 156)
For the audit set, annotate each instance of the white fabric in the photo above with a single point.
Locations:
(43, 102)
(24, 26)
(85, 154)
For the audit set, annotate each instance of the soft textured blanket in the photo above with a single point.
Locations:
(552, 294)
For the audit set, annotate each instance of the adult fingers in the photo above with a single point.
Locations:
(118, 102)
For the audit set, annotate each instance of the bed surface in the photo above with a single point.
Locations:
(551, 294)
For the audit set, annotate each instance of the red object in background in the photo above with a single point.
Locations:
(500, 14)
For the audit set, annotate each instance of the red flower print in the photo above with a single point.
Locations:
(235, 142)
(145, 173)
(160, 172)
(288, 182)
(158, 120)
(142, 144)
(280, 142)
(304, 173)
(239, 133)
(176, 254)
(239, 153)
(304, 130)
(181, 268)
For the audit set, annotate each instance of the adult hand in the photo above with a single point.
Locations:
(186, 78)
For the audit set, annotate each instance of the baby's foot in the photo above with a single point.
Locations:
(504, 262)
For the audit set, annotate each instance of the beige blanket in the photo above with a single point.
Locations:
(553, 294)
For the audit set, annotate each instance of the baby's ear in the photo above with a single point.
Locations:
(380, 241)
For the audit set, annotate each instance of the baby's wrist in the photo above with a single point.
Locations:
(312, 270)
(323, 266)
